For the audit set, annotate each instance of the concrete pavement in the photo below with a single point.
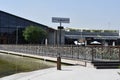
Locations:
(68, 73)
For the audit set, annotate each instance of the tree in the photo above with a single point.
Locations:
(34, 34)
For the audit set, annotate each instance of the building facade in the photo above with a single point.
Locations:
(12, 26)
(11, 29)
(104, 37)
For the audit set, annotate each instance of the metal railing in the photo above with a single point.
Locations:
(92, 53)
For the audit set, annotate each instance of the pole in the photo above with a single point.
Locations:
(81, 34)
(119, 54)
(60, 33)
(16, 34)
(60, 24)
(60, 37)
(58, 55)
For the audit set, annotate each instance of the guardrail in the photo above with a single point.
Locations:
(91, 53)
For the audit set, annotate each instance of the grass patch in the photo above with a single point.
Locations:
(10, 64)
(6, 68)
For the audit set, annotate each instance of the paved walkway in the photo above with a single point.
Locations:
(68, 73)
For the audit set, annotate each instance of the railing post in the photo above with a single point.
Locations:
(72, 50)
(78, 52)
(119, 53)
(110, 49)
(58, 61)
(92, 54)
(102, 51)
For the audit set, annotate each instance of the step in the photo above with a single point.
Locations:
(106, 64)
(107, 67)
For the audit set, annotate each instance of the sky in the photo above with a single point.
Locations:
(83, 14)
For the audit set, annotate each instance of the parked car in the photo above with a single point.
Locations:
(79, 43)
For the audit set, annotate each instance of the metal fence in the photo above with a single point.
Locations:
(92, 53)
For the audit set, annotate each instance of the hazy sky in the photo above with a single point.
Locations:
(90, 14)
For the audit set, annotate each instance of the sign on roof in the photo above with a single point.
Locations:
(60, 20)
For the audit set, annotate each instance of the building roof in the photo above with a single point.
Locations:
(25, 19)
(95, 37)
